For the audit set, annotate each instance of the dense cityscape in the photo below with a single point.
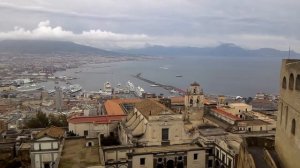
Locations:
(149, 84)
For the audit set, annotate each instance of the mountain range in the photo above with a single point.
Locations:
(226, 49)
(46, 47)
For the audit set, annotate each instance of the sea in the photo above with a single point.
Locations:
(232, 76)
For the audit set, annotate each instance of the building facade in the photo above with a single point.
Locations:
(45, 147)
(287, 140)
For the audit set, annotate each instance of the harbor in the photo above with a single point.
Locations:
(171, 89)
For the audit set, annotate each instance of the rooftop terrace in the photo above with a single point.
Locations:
(76, 155)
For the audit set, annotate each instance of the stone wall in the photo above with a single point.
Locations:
(288, 128)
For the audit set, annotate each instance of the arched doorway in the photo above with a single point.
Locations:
(170, 164)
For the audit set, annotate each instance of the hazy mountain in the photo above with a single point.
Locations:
(47, 47)
(50, 47)
(221, 50)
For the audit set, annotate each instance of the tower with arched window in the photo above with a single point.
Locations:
(288, 129)
(194, 96)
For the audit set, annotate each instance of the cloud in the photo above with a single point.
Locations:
(110, 40)
(98, 38)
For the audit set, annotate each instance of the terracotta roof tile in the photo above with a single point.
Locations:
(148, 106)
(226, 114)
(177, 100)
(54, 132)
(113, 107)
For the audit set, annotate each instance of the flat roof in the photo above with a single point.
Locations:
(171, 148)
(254, 122)
(76, 155)
(212, 131)
(106, 119)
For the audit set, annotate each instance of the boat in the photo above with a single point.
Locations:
(28, 88)
(107, 88)
(154, 85)
(173, 91)
(178, 76)
(139, 91)
(130, 86)
(74, 88)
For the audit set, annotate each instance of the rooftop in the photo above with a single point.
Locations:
(195, 84)
(212, 131)
(54, 132)
(96, 119)
(76, 155)
(177, 100)
(254, 122)
(113, 107)
(238, 104)
(151, 107)
(171, 148)
(226, 114)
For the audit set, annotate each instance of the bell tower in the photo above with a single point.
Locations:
(194, 96)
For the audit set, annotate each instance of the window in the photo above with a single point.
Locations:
(281, 111)
(210, 163)
(286, 115)
(223, 157)
(46, 165)
(195, 156)
(293, 130)
(85, 132)
(229, 163)
(217, 152)
(165, 134)
(298, 82)
(191, 101)
(283, 83)
(209, 151)
(142, 161)
(291, 81)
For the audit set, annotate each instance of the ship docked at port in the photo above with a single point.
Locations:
(138, 91)
(29, 88)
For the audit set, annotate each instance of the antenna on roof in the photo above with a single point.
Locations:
(289, 51)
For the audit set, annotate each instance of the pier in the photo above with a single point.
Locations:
(166, 87)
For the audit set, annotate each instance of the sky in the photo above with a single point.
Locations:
(111, 24)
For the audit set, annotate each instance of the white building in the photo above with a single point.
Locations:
(94, 126)
(45, 147)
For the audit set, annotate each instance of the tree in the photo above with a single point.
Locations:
(42, 121)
